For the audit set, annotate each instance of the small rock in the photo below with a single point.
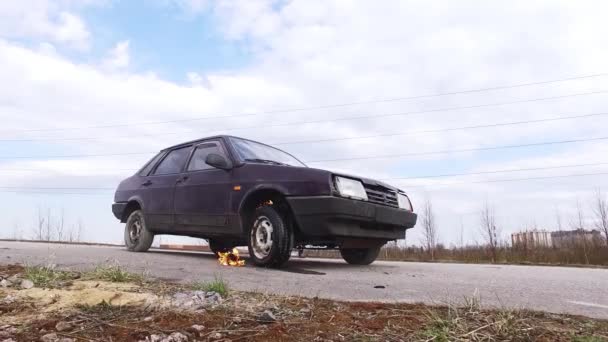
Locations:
(27, 284)
(148, 319)
(9, 340)
(4, 334)
(14, 278)
(9, 299)
(5, 283)
(177, 337)
(49, 338)
(267, 317)
(216, 336)
(198, 327)
(63, 326)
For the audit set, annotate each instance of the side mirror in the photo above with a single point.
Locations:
(217, 161)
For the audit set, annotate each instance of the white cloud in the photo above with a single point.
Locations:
(46, 19)
(308, 53)
(119, 56)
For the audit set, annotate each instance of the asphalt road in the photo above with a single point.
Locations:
(580, 291)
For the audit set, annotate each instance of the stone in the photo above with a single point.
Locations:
(52, 337)
(148, 319)
(267, 317)
(5, 283)
(26, 284)
(9, 340)
(216, 336)
(198, 327)
(174, 337)
(195, 300)
(63, 326)
(9, 299)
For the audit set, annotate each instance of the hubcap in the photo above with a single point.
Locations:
(261, 237)
(135, 230)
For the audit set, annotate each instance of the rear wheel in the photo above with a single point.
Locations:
(137, 237)
(360, 256)
(270, 238)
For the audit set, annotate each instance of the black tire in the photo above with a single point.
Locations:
(142, 241)
(217, 246)
(282, 238)
(360, 256)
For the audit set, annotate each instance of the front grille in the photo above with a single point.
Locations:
(381, 195)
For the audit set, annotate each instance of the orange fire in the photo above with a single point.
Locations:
(231, 258)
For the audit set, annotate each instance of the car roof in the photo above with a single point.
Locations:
(187, 143)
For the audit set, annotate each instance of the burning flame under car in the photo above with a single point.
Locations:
(230, 258)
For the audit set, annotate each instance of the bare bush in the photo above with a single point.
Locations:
(600, 208)
(489, 230)
(429, 228)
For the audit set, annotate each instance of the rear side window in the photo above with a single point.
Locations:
(200, 155)
(173, 162)
(146, 170)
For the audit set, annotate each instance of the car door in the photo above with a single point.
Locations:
(202, 196)
(158, 190)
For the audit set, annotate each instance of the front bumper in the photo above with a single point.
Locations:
(118, 209)
(336, 217)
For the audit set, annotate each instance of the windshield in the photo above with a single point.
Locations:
(252, 151)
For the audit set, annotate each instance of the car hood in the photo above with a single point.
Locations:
(365, 180)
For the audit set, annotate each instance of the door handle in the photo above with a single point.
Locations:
(147, 183)
(183, 179)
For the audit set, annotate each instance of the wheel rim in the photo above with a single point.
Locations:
(135, 230)
(261, 237)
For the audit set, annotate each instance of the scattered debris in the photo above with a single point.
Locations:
(195, 300)
(216, 336)
(174, 337)
(267, 317)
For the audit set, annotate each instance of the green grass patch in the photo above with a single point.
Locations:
(217, 285)
(46, 276)
(114, 274)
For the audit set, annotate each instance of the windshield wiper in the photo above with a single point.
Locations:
(265, 161)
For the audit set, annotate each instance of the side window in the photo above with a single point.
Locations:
(200, 155)
(173, 162)
(146, 170)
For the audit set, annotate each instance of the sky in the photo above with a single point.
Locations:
(393, 90)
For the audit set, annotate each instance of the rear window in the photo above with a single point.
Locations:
(150, 165)
(173, 162)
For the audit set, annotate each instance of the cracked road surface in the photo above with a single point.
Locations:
(579, 291)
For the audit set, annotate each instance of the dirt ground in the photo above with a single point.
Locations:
(78, 307)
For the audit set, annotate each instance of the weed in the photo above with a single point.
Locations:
(114, 274)
(217, 285)
(46, 276)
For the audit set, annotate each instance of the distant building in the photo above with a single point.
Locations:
(565, 238)
(559, 239)
(532, 239)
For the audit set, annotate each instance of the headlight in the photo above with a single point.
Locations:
(350, 188)
(404, 202)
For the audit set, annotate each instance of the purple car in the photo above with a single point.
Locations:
(236, 192)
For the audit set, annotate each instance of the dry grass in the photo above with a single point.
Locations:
(301, 319)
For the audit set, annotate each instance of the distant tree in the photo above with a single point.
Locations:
(579, 224)
(429, 228)
(600, 208)
(489, 229)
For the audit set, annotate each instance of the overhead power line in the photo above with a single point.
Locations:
(341, 159)
(40, 191)
(338, 105)
(496, 171)
(475, 149)
(439, 130)
(360, 117)
(509, 180)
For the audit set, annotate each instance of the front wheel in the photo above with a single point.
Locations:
(270, 238)
(360, 256)
(137, 236)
